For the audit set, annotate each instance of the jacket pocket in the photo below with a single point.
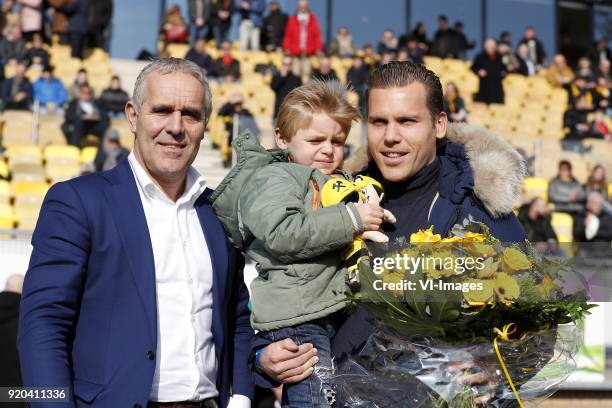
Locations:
(86, 390)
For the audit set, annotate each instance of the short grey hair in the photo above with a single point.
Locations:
(169, 66)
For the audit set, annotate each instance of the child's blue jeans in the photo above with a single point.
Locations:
(316, 391)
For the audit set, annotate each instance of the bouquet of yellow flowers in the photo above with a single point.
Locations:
(462, 319)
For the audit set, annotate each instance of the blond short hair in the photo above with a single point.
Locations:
(301, 104)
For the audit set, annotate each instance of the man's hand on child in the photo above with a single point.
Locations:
(286, 362)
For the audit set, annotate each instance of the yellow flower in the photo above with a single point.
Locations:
(506, 288)
(473, 237)
(396, 278)
(480, 249)
(514, 260)
(488, 270)
(478, 297)
(546, 286)
(439, 265)
(452, 239)
(424, 236)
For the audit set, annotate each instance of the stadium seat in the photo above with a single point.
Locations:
(50, 133)
(28, 172)
(61, 155)
(88, 154)
(4, 171)
(14, 132)
(23, 154)
(30, 188)
(535, 187)
(7, 216)
(563, 224)
(62, 172)
(5, 192)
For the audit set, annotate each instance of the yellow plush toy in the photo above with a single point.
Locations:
(362, 189)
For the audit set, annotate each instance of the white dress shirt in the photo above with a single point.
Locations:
(186, 365)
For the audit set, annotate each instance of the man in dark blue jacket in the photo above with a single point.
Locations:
(433, 175)
(77, 25)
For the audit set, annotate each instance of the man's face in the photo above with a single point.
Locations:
(85, 94)
(319, 145)
(200, 46)
(560, 61)
(594, 204)
(169, 125)
(523, 51)
(324, 67)
(565, 172)
(490, 46)
(303, 6)
(401, 134)
(20, 70)
(529, 34)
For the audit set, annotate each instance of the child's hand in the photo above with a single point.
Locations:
(371, 215)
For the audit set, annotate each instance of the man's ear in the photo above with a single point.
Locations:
(441, 125)
(131, 114)
(280, 141)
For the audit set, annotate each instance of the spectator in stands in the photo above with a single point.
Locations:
(536, 220)
(596, 224)
(283, 82)
(446, 41)
(325, 72)
(226, 67)
(559, 74)
(100, 14)
(232, 111)
(420, 33)
(369, 56)
(303, 38)
(357, 80)
(110, 152)
(31, 17)
(536, 49)
(525, 65)
(76, 10)
(579, 89)
(174, 28)
(505, 38)
(274, 27)
(415, 53)
(199, 17)
(575, 120)
(50, 93)
(342, 45)
(603, 95)
(221, 19)
(565, 192)
(251, 15)
(114, 98)
(464, 45)
(17, 91)
(10, 298)
(197, 53)
(599, 127)
(585, 71)
(59, 24)
(388, 43)
(385, 59)
(84, 116)
(600, 52)
(81, 79)
(603, 70)
(402, 55)
(5, 8)
(12, 46)
(598, 182)
(36, 55)
(454, 106)
(490, 69)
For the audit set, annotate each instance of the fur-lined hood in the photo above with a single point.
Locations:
(498, 169)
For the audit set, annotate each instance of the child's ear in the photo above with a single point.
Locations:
(280, 141)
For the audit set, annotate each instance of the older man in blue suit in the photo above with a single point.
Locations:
(134, 297)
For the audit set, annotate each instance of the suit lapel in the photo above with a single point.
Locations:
(217, 247)
(127, 210)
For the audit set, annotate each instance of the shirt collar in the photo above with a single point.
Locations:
(194, 186)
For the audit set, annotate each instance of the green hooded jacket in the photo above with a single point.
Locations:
(266, 206)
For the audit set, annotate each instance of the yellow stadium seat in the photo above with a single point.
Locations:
(50, 133)
(62, 154)
(30, 188)
(88, 154)
(23, 154)
(16, 133)
(5, 192)
(563, 224)
(17, 116)
(6, 224)
(62, 172)
(7, 215)
(28, 172)
(4, 171)
(535, 187)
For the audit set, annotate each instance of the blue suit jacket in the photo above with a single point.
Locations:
(88, 316)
